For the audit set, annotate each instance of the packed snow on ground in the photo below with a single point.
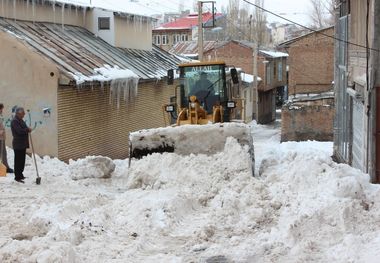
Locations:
(92, 167)
(196, 208)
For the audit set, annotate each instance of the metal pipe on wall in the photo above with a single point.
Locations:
(374, 96)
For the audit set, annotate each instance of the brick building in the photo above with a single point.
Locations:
(234, 52)
(311, 62)
(308, 118)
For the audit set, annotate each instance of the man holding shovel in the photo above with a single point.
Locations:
(3, 150)
(20, 132)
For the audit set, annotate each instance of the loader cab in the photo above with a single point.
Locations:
(206, 81)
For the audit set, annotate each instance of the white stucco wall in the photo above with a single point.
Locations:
(125, 33)
(133, 34)
(30, 81)
(107, 35)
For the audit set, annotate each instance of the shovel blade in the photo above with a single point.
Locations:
(38, 180)
(188, 139)
(3, 170)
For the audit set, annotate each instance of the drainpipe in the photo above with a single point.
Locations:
(374, 97)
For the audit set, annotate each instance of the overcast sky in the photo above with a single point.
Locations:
(296, 10)
(292, 9)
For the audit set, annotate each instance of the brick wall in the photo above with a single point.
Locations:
(233, 54)
(240, 56)
(308, 121)
(311, 63)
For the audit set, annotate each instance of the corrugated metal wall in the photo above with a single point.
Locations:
(89, 124)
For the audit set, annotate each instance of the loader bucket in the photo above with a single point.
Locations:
(189, 139)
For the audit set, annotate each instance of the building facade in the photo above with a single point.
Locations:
(183, 29)
(357, 122)
(83, 95)
(311, 62)
(125, 30)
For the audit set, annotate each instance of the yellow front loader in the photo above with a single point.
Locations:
(205, 110)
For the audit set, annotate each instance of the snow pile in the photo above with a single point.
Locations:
(197, 208)
(92, 167)
(274, 54)
(162, 170)
(248, 78)
(328, 210)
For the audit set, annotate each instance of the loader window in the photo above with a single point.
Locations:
(204, 82)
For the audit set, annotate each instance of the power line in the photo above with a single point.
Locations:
(308, 28)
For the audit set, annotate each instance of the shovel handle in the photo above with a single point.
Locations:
(34, 155)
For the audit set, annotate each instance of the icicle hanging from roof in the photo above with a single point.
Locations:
(34, 9)
(14, 9)
(63, 16)
(123, 82)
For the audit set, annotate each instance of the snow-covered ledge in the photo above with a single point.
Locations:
(123, 82)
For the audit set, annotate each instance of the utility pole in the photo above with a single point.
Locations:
(200, 31)
(254, 37)
(255, 82)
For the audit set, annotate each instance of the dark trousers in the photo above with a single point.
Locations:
(20, 156)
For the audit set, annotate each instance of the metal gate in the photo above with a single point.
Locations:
(357, 134)
(342, 124)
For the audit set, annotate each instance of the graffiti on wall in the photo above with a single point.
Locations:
(34, 119)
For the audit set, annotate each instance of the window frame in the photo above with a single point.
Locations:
(268, 73)
(184, 37)
(157, 39)
(166, 42)
(280, 70)
(101, 25)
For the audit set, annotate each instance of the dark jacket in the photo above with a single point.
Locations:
(20, 134)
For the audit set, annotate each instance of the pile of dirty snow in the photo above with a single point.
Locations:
(197, 208)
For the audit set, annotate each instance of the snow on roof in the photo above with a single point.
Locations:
(81, 53)
(290, 41)
(105, 73)
(248, 78)
(274, 54)
(188, 22)
(119, 6)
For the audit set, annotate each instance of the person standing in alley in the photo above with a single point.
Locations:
(3, 148)
(20, 132)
